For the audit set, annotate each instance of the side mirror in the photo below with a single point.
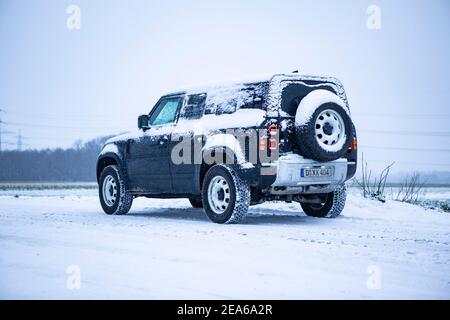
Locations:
(143, 122)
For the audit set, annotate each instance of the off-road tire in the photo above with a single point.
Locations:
(196, 203)
(124, 199)
(307, 143)
(333, 205)
(239, 195)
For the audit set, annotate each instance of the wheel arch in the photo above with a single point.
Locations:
(228, 143)
(105, 160)
(231, 158)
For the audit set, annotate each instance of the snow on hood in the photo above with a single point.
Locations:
(124, 137)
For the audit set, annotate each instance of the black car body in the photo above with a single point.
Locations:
(257, 125)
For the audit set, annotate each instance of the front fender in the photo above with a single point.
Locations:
(109, 155)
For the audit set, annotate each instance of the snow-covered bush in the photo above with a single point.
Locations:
(410, 190)
(445, 207)
(373, 187)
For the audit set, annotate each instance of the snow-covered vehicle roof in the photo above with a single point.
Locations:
(206, 87)
(236, 93)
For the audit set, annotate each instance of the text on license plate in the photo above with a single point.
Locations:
(316, 172)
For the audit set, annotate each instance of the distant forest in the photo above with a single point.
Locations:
(52, 165)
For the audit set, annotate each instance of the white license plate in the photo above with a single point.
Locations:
(316, 172)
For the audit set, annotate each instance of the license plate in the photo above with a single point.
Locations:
(316, 172)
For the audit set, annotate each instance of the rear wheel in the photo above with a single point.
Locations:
(113, 196)
(226, 197)
(331, 205)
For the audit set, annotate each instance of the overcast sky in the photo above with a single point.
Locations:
(58, 85)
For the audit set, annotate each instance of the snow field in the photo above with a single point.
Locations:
(166, 249)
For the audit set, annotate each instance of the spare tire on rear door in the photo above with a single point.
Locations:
(323, 126)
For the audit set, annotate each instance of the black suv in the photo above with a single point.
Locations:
(228, 146)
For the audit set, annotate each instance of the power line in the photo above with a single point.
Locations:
(20, 138)
(2, 133)
(42, 121)
(52, 116)
(15, 145)
(81, 128)
(409, 133)
(412, 163)
(401, 115)
(406, 149)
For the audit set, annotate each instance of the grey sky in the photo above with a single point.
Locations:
(59, 85)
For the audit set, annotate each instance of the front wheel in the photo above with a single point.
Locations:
(113, 196)
(331, 204)
(225, 196)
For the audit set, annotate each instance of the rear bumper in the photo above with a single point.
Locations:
(288, 171)
(284, 175)
(288, 178)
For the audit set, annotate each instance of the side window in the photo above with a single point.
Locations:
(227, 107)
(221, 102)
(165, 112)
(194, 107)
(229, 99)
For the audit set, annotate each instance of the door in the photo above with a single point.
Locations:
(148, 158)
(185, 176)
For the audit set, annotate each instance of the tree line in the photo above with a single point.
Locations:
(77, 163)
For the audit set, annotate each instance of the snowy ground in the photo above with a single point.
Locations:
(165, 249)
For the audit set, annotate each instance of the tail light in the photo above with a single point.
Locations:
(273, 129)
(262, 145)
(273, 144)
(270, 140)
(273, 141)
(353, 145)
